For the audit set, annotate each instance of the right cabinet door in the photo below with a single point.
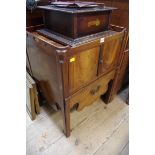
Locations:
(110, 51)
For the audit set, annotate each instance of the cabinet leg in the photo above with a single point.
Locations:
(66, 119)
(109, 95)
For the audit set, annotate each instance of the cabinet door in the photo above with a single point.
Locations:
(83, 68)
(110, 52)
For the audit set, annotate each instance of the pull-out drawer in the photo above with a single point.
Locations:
(90, 93)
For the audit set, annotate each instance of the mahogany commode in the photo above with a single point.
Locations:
(74, 71)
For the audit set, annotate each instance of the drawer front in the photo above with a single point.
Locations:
(90, 93)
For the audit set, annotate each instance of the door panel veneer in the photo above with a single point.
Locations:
(83, 68)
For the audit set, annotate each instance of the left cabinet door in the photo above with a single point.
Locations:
(83, 67)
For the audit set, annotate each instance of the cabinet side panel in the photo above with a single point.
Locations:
(59, 22)
(122, 70)
(45, 69)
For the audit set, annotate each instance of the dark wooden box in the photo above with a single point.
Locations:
(75, 23)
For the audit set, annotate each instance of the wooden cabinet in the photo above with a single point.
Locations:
(78, 74)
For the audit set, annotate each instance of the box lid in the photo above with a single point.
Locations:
(80, 9)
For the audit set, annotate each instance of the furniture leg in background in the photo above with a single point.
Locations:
(32, 103)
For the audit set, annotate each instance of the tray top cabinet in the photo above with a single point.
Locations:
(69, 75)
(82, 63)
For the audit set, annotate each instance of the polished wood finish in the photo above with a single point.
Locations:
(64, 26)
(117, 82)
(123, 71)
(68, 74)
(110, 52)
(45, 61)
(88, 22)
(84, 68)
(62, 81)
(120, 16)
(89, 94)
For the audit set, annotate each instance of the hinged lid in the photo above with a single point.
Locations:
(76, 7)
